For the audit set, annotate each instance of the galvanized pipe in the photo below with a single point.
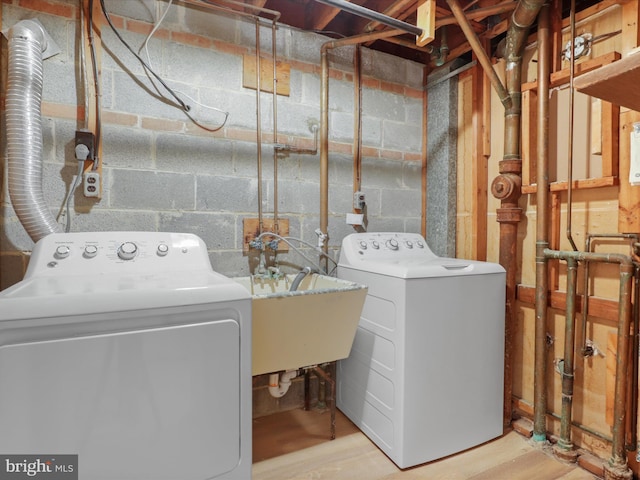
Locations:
(373, 15)
(479, 51)
(542, 227)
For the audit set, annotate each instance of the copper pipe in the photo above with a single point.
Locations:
(357, 119)
(572, 66)
(425, 130)
(259, 128)
(324, 119)
(542, 226)
(276, 227)
(479, 51)
(564, 442)
(617, 467)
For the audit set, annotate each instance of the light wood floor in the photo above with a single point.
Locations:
(295, 446)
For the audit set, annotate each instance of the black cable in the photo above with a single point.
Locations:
(183, 105)
(96, 86)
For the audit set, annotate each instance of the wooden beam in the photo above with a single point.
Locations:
(480, 177)
(603, 308)
(629, 195)
(426, 20)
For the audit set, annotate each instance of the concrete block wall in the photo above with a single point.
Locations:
(161, 172)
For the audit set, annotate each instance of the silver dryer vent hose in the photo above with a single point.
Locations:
(24, 129)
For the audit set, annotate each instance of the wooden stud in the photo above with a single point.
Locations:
(610, 126)
(426, 21)
(480, 178)
(251, 230)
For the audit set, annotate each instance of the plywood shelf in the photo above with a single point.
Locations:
(616, 83)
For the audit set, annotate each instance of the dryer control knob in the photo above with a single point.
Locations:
(162, 250)
(375, 244)
(127, 251)
(392, 244)
(409, 244)
(62, 251)
(363, 244)
(90, 251)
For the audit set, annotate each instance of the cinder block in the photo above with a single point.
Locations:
(127, 147)
(203, 67)
(378, 172)
(216, 230)
(401, 136)
(116, 221)
(200, 155)
(230, 263)
(150, 190)
(401, 203)
(385, 105)
(227, 194)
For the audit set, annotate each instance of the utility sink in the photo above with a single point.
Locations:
(314, 324)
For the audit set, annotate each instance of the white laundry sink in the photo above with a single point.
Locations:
(314, 324)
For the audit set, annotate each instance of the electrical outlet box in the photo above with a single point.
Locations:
(87, 138)
(358, 200)
(91, 184)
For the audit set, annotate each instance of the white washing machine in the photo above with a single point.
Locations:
(425, 375)
(127, 350)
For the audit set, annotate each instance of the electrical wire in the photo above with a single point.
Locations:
(148, 69)
(180, 102)
(72, 190)
(96, 86)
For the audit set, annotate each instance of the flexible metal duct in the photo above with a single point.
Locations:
(27, 42)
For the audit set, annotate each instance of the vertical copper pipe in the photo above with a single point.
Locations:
(259, 127)
(542, 227)
(564, 442)
(275, 128)
(571, 122)
(357, 119)
(324, 146)
(425, 129)
(618, 461)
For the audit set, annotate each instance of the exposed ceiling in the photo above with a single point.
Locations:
(489, 19)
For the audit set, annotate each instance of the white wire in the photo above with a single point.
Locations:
(66, 212)
(145, 46)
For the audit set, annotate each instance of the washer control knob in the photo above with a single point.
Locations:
(409, 244)
(420, 244)
(375, 244)
(162, 250)
(363, 244)
(127, 251)
(62, 251)
(392, 244)
(90, 251)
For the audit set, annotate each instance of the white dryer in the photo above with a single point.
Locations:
(127, 350)
(425, 375)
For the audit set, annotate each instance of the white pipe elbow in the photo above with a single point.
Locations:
(279, 385)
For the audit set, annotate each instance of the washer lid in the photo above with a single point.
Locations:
(404, 255)
(85, 273)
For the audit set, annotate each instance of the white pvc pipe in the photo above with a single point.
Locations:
(279, 385)
(24, 129)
